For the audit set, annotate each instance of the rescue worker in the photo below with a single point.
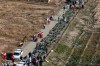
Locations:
(36, 39)
(12, 58)
(40, 34)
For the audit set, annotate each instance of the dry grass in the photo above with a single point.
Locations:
(19, 19)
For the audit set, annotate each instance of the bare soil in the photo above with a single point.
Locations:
(20, 19)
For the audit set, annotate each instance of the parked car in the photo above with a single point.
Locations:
(18, 53)
(22, 63)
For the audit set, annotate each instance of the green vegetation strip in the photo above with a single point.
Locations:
(61, 48)
(96, 57)
(75, 57)
(89, 51)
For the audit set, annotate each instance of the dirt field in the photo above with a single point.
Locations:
(19, 19)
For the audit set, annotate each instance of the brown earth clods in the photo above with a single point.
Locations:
(19, 19)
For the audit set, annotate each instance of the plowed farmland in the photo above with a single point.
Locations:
(21, 19)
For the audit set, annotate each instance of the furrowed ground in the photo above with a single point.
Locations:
(21, 19)
(79, 45)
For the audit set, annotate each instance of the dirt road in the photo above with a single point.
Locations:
(31, 45)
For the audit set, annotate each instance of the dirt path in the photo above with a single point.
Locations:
(94, 53)
(74, 48)
(85, 48)
(31, 45)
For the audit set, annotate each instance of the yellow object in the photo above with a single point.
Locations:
(47, 61)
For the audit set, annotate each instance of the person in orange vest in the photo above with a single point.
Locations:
(12, 57)
(36, 39)
(4, 55)
(41, 34)
(38, 34)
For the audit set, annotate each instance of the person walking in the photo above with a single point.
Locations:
(14, 64)
(36, 39)
(41, 34)
(30, 54)
(81, 3)
(34, 36)
(63, 17)
(64, 8)
(44, 58)
(40, 61)
(51, 17)
(12, 57)
(21, 58)
(48, 20)
(28, 61)
(46, 49)
(68, 1)
(34, 61)
(37, 62)
(58, 19)
(43, 26)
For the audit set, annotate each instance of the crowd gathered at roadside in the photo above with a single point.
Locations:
(37, 57)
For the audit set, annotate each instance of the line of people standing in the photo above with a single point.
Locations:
(74, 3)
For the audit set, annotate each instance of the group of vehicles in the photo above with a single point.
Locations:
(16, 56)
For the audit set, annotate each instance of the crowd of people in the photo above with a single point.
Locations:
(76, 3)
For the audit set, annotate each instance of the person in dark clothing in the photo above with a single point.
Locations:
(40, 61)
(68, 1)
(29, 54)
(46, 49)
(38, 57)
(25, 57)
(37, 64)
(7, 64)
(58, 19)
(51, 17)
(34, 61)
(44, 58)
(21, 58)
(64, 8)
(34, 36)
(14, 64)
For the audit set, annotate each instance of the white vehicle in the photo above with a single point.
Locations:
(18, 53)
(21, 64)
